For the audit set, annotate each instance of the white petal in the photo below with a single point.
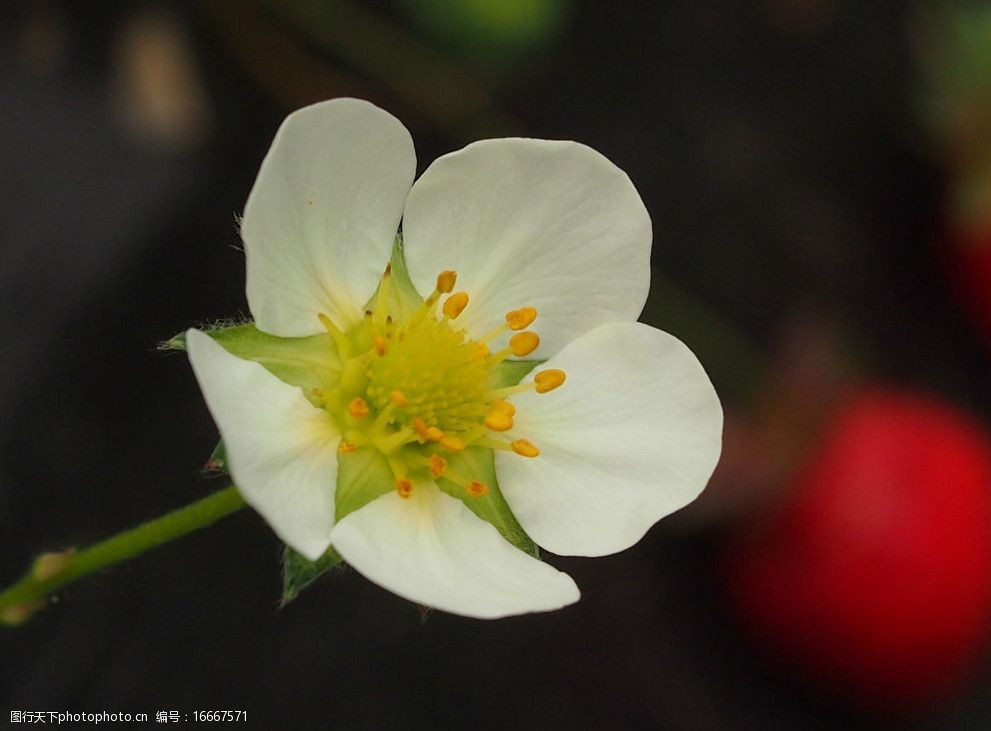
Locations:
(282, 451)
(430, 548)
(632, 435)
(320, 222)
(546, 224)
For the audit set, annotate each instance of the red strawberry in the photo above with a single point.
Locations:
(875, 574)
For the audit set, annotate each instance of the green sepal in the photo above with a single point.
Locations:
(362, 476)
(404, 300)
(217, 462)
(511, 372)
(299, 572)
(478, 463)
(307, 362)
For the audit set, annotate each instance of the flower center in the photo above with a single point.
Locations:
(438, 372)
(420, 389)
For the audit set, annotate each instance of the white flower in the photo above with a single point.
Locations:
(383, 448)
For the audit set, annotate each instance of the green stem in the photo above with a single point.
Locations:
(52, 570)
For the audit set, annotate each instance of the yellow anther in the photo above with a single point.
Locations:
(398, 398)
(503, 406)
(479, 351)
(477, 489)
(521, 318)
(524, 343)
(346, 447)
(358, 408)
(455, 304)
(420, 427)
(437, 465)
(524, 448)
(380, 344)
(548, 380)
(452, 444)
(498, 421)
(404, 487)
(433, 434)
(445, 281)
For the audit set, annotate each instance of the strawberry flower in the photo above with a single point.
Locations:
(432, 405)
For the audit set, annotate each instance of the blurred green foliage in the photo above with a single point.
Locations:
(498, 33)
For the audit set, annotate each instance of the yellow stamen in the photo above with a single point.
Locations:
(380, 344)
(521, 318)
(493, 333)
(548, 380)
(346, 447)
(328, 324)
(387, 445)
(384, 417)
(433, 434)
(477, 489)
(358, 408)
(452, 444)
(499, 421)
(503, 406)
(382, 299)
(343, 345)
(479, 351)
(445, 281)
(420, 427)
(404, 487)
(524, 343)
(437, 465)
(398, 398)
(455, 305)
(525, 448)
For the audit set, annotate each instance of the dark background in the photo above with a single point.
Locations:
(778, 148)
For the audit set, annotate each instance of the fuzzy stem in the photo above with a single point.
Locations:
(53, 570)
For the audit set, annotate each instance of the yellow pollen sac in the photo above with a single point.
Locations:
(398, 398)
(358, 408)
(477, 489)
(548, 380)
(404, 487)
(346, 447)
(437, 465)
(455, 304)
(452, 444)
(445, 281)
(380, 344)
(524, 343)
(503, 406)
(433, 434)
(521, 318)
(499, 421)
(420, 427)
(524, 448)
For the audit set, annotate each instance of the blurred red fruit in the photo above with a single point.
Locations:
(875, 574)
